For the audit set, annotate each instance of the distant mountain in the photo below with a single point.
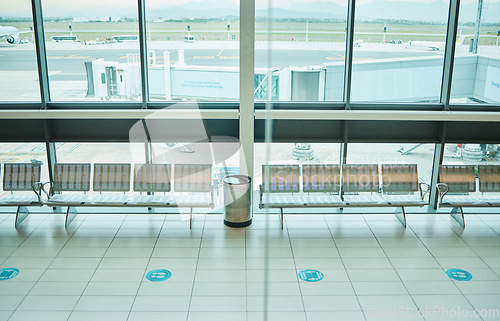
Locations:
(281, 13)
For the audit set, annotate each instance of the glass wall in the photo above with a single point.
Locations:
(24, 153)
(92, 50)
(193, 50)
(476, 73)
(303, 50)
(18, 68)
(398, 51)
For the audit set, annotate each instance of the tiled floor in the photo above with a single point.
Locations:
(374, 269)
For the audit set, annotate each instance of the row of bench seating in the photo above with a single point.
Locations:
(361, 186)
(281, 188)
(71, 182)
(457, 182)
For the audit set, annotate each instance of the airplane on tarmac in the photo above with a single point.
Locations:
(11, 34)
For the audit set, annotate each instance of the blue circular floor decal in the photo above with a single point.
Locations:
(459, 275)
(311, 275)
(158, 275)
(9, 273)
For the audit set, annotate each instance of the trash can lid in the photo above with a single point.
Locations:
(237, 179)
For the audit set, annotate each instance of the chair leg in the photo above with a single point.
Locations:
(281, 211)
(458, 214)
(21, 213)
(191, 218)
(401, 215)
(71, 214)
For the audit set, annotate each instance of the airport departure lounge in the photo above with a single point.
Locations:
(250, 160)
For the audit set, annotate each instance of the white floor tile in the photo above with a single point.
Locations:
(98, 316)
(484, 301)
(10, 302)
(158, 316)
(218, 303)
(442, 301)
(273, 288)
(40, 315)
(431, 287)
(326, 288)
(169, 287)
(58, 288)
(147, 303)
(379, 288)
(335, 315)
(15, 288)
(276, 316)
(275, 303)
(105, 303)
(373, 275)
(48, 303)
(370, 303)
(112, 288)
(330, 303)
(219, 316)
(220, 288)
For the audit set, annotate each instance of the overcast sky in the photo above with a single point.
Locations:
(23, 7)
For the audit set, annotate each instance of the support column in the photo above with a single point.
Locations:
(247, 58)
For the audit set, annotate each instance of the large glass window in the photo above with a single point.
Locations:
(398, 50)
(303, 52)
(193, 52)
(92, 50)
(476, 73)
(24, 153)
(18, 69)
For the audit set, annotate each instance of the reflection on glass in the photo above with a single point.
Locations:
(476, 72)
(398, 51)
(326, 154)
(18, 69)
(303, 51)
(92, 50)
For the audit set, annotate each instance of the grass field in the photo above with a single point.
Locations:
(281, 31)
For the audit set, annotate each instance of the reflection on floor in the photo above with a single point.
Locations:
(373, 268)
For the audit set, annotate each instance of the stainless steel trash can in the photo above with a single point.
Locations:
(237, 200)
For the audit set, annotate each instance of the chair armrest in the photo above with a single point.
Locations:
(37, 188)
(427, 189)
(50, 193)
(443, 189)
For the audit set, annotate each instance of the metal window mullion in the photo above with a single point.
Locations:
(348, 53)
(143, 52)
(41, 52)
(449, 54)
(437, 162)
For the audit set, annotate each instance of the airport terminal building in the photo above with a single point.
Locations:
(250, 160)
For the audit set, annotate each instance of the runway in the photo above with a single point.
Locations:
(66, 61)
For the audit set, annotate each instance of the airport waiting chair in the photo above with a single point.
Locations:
(401, 188)
(196, 181)
(68, 179)
(22, 177)
(155, 181)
